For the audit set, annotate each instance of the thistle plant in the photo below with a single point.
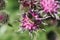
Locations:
(51, 7)
(2, 4)
(3, 17)
(33, 18)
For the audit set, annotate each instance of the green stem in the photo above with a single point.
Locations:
(35, 36)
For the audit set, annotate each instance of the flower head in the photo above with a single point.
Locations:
(25, 3)
(3, 17)
(2, 4)
(49, 5)
(28, 24)
(30, 21)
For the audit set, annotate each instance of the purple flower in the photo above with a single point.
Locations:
(3, 17)
(25, 3)
(31, 23)
(28, 24)
(49, 5)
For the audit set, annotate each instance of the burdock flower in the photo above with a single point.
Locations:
(2, 4)
(25, 3)
(3, 17)
(28, 24)
(31, 20)
(49, 5)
